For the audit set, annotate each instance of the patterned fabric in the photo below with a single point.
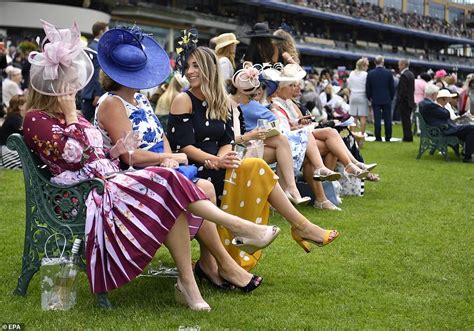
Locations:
(254, 179)
(9, 159)
(143, 121)
(129, 222)
(298, 138)
(208, 135)
(247, 198)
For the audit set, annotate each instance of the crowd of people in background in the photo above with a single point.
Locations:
(216, 109)
(388, 15)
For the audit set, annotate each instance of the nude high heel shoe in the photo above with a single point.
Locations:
(251, 245)
(351, 170)
(368, 167)
(182, 297)
(305, 243)
(298, 201)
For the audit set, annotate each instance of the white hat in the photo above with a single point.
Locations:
(431, 89)
(294, 70)
(11, 70)
(444, 93)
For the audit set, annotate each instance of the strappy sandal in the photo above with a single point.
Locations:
(323, 173)
(351, 170)
(373, 177)
(305, 243)
(367, 167)
(326, 204)
(298, 201)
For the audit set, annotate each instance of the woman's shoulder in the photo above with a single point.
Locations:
(181, 104)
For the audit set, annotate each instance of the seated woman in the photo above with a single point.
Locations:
(138, 211)
(200, 126)
(13, 124)
(245, 84)
(328, 141)
(176, 85)
(122, 109)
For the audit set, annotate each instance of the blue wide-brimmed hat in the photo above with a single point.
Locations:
(132, 59)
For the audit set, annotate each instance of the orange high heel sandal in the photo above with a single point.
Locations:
(305, 243)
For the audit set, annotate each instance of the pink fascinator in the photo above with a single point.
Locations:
(246, 79)
(440, 74)
(62, 67)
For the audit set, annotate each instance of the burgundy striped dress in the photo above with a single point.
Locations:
(128, 223)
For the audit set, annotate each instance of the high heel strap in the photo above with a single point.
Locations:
(324, 204)
(200, 275)
(255, 282)
(356, 171)
(251, 245)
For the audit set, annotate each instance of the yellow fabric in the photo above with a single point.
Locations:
(248, 198)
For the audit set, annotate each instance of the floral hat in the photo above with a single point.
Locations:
(246, 79)
(62, 67)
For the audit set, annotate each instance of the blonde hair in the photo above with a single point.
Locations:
(361, 63)
(164, 102)
(287, 44)
(212, 86)
(228, 53)
(47, 103)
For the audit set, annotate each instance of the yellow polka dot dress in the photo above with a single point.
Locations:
(247, 198)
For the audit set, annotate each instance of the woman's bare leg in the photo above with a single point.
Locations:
(334, 143)
(363, 124)
(282, 154)
(306, 229)
(316, 186)
(177, 241)
(206, 259)
(226, 268)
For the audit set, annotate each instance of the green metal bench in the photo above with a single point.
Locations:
(50, 209)
(432, 139)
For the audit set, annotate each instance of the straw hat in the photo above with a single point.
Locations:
(444, 93)
(224, 40)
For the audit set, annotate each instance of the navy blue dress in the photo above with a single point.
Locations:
(203, 133)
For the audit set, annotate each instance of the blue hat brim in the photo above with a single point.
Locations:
(155, 71)
(271, 85)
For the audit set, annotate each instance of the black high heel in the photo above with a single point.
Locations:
(255, 282)
(200, 274)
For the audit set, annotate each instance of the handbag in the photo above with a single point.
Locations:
(58, 277)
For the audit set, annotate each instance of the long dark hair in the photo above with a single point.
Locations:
(260, 50)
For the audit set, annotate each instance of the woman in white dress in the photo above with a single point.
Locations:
(359, 104)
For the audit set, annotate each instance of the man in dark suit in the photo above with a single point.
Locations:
(380, 90)
(92, 91)
(435, 114)
(406, 98)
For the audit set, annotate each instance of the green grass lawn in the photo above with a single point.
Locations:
(404, 260)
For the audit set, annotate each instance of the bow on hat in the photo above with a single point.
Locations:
(187, 43)
(63, 47)
(248, 74)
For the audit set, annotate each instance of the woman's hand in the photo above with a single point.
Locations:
(181, 158)
(67, 105)
(257, 134)
(226, 161)
(169, 163)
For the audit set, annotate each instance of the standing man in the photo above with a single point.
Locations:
(380, 90)
(92, 91)
(406, 98)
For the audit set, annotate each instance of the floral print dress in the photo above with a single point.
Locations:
(127, 223)
(298, 138)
